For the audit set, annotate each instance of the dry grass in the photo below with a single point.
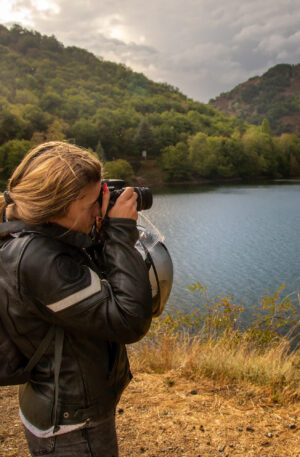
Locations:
(225, 360)
(169, 415)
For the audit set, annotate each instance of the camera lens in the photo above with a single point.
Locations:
(144, 200)
(144, 194)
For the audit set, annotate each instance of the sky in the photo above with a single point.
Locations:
(203, 47)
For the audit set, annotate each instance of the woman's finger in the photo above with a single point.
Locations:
(105, 200)
(103, 209)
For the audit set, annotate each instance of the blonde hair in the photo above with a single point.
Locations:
(49, 178)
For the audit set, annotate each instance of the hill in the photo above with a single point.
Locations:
(94, 101)
(275, 96)
(52, 92)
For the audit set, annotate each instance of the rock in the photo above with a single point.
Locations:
(249, 429)
(240, 429)
(120, 410)
(194, 392)
(201, 428)
(292, 426)
(231, 445)
(269, 435)
(221, 448)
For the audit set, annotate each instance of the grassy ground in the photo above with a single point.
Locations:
(170, 415)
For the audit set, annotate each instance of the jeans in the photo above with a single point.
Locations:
(94, 441)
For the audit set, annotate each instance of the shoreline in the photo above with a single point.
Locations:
(161, 184)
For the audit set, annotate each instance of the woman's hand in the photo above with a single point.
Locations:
(125, 205)
(103, 209)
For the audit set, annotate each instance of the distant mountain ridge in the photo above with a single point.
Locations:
(275, 96)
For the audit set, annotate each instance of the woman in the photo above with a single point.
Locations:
(96, 295)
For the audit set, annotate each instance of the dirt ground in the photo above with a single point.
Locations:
(170, 416)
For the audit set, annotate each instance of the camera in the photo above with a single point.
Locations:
(116, 187)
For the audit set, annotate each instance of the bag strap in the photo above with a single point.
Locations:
(58, 352)
(40, 350)
(11, 227)
(59, 343)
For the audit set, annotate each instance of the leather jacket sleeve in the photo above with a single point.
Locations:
(61, 286)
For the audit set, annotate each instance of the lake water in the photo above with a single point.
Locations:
(238, 240)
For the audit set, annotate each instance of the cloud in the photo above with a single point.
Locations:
(202, 47)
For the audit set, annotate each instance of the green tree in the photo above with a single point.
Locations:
(100, 152)
(37, 119)
(265, 127)
(176, 163)
(144, 138)
(119, 169)
(289, 154)
(11, 154)
(258, 148)
(11, 126)
(203, 155)
(51, 101)
(85, 133)
(53, 133)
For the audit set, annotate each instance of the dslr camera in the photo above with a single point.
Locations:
(116, 187)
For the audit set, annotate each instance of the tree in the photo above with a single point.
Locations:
(85, 133)
(119, 169)
(265, 127)
(37, 119)
(144, 138)
(100, 152)
(176, 163)
(259, 145)
(11, 154)
(53, 133)
(202, 155)
(11, 126)
(51, 101)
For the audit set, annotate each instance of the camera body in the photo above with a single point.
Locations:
(116, 187)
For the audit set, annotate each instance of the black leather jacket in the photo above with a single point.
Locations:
(102, 300)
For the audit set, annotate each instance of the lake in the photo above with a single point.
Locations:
(238, 240)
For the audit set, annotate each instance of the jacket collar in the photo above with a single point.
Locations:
(72, 237)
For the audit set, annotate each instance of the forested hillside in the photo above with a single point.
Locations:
(48, 91)
(274, 96)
